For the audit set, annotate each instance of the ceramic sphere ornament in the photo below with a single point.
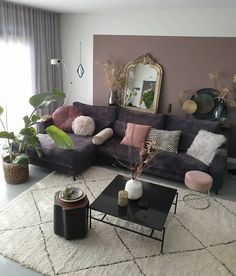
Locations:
(189, 106)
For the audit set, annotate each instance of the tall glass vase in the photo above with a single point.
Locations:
(112, 98)
(220, 111)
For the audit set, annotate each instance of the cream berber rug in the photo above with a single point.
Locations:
(196, 243)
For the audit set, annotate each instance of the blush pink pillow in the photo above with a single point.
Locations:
(135, 135)
(63, 117)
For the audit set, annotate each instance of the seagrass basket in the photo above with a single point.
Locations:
(15, 174)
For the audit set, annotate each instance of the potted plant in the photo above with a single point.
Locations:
(15, 157)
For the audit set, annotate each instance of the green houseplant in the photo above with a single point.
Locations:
(15, 157)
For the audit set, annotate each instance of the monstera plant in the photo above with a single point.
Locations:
(15, 157)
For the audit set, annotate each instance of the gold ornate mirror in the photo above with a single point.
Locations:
(142, 84)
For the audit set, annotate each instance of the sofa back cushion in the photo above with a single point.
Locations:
(104, 113)
(185, 141)
(189, 129)
(190, 125)
(120, 128)
(153, 120)
(101, 124)
(63, 117)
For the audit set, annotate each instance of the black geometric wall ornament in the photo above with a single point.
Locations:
(80, 69)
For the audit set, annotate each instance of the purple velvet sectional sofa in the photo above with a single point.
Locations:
(166, 164)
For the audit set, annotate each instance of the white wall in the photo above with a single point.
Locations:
(82, 27)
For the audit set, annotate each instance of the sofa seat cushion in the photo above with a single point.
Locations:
(176, 163)
(83, 152)
(113, 149)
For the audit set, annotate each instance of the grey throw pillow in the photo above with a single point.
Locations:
(204, 146)
(166, 140)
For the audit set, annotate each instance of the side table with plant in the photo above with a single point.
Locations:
(15, 157)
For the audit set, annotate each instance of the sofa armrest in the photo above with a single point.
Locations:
(41, 126)
(217, 168)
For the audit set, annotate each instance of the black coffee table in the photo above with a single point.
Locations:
(151, 210)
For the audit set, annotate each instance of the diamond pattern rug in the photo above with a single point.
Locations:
(197, 242)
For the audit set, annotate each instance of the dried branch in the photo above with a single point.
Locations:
(114, 74)
(223, 93)
(146, 154)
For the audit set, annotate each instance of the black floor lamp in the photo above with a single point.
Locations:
(57, 61)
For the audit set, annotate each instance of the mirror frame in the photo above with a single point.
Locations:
(146, 60)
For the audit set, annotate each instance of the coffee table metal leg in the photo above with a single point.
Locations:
(90, 218)
(176, 200)
(163, 238)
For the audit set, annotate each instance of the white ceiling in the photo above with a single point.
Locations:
(77, 6)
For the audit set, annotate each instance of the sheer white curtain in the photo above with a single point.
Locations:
(16, 81)
(29, 38)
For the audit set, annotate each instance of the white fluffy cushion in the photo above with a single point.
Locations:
(204, 146)
(102, 136)
(83, 125)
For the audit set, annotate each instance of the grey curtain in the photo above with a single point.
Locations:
(41, 30)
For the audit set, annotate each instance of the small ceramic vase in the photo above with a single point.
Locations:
(134, 188)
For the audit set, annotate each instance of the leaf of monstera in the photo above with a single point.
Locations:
(35, 118)
(7, 135)
(44, 99)
(32, 141)
(61, 139)
(30, 131)
(26, 119)
(22, 160)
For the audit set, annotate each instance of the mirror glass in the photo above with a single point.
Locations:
(142, 84)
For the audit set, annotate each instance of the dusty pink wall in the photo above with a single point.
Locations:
(186, 62)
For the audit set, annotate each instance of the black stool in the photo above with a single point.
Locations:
(71, 218)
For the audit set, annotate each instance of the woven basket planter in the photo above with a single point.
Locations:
(15, 174)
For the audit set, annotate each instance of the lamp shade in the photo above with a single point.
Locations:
(55, 61)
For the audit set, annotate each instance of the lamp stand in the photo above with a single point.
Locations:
(69, 80)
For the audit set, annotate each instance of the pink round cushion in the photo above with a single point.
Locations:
(63, 117)
(198, 181)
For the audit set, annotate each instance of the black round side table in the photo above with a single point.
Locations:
(71, 218)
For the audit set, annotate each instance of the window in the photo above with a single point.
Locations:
(16, 82)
